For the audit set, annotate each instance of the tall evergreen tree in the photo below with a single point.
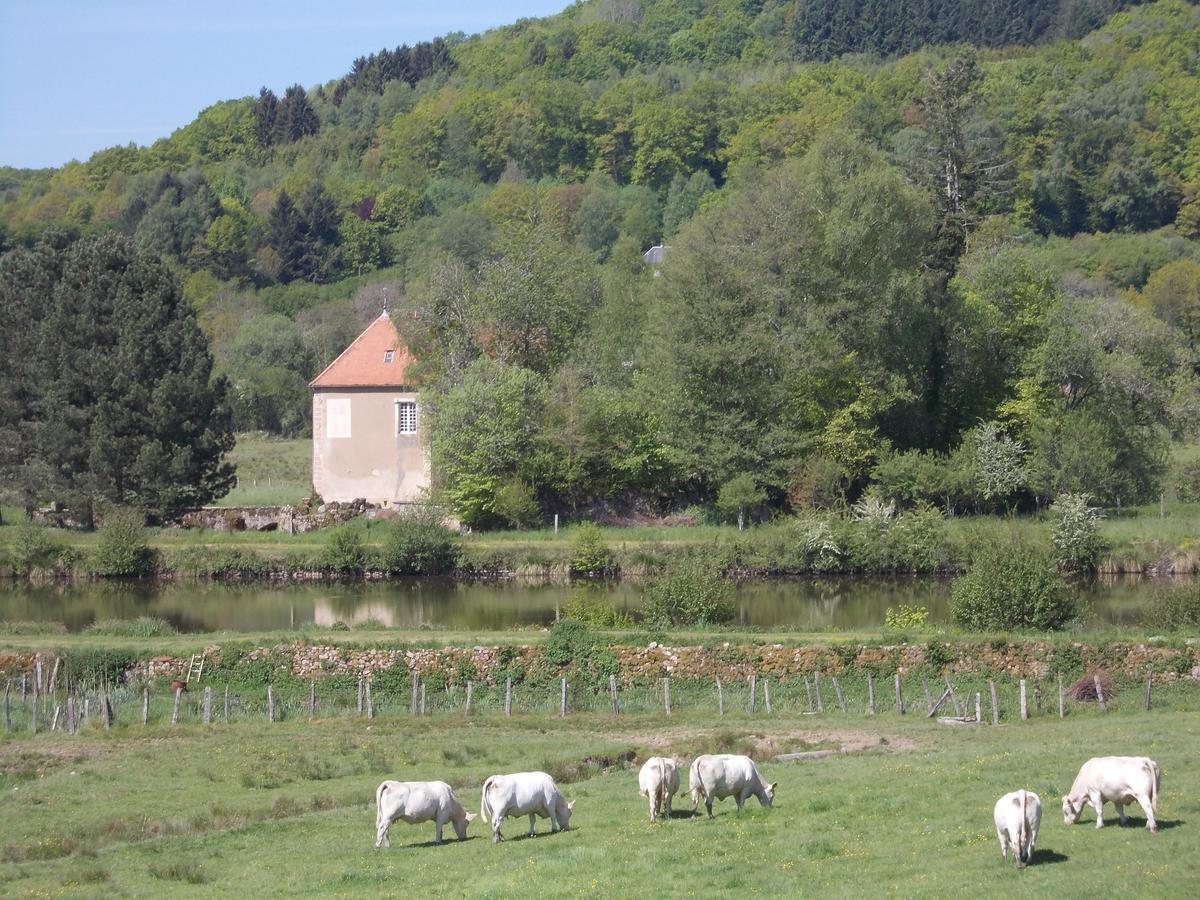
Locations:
(124, 409)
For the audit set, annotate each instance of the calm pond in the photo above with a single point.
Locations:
(802, 604)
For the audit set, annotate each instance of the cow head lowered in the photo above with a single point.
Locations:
(460, 825)
(1071, 810)
(768, 794)
(564, 815)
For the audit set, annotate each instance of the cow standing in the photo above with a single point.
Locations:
(1119, 779)
(418, 801)
(524, 793)
(658, 782)
(726, 775)
(1018, 816)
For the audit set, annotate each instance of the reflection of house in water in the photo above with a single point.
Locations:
(411, 612)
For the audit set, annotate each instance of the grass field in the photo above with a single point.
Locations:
(271, 471)
(253, 809)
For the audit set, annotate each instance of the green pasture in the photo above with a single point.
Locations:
(258, 809)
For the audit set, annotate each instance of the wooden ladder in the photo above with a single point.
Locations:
(195, 668)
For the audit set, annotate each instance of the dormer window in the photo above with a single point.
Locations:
(387, 355)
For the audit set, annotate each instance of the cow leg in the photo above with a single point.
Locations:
(532, 820)
(1098, 805)
(1144, 803)
(708, 805)
(666, 805)
(381, 833)
(653, 808)
(497, 837)
(1121, 813)
(1003, 836)
(437, 831)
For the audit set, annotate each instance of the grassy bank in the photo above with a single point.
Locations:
(261, 810)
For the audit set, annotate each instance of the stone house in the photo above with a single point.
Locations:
(369, 441)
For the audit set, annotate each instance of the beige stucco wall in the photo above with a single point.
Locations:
(374, 462)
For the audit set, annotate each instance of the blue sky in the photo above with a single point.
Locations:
(80, 75)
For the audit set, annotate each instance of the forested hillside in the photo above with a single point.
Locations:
(968, 275)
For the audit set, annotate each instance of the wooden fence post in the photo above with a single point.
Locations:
(870, 694)
(175, 711)
(226, 704)
(937, 704)
(667, 693)
(360, 694)
(817, 690)
(1024, 702)
(54, 719)
(928, 696)
(33, 719)
(899, 696)
(958, 710)
(24, 687)
(470, 697)
(720, 697)
(1061, 699)
(807, 693)
(416, 691)
(370, 698)
(422, 698)
(612, 694)
(1099, 693)
(562, 703)
(1149, 682)
(995, 702)
(508, 696)
(767, 695)
(270, 704)
(7, 710)
(753, 693)
(837, 689)
(978, 708)
(70, 714)
(206, 709)
(145, 704)
(312, 701)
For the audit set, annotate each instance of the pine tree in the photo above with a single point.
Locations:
(125, 409)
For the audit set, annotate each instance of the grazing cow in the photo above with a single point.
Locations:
(524, 793)
(658, 782)
(725, 775)
(418, 801)
(1018, 816)
(1121, 779)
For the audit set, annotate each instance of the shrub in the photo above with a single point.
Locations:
(739, 495)
(1076, 535)
(588, 604)
(516, 504)
(347, 553)
(1187, 482)
(123, 549)
(1175, 608)
(569, 641)
(34, 547)
(919, 539)
(417, 543)
(906, 617)
(142, 626)
(590, 555)
(691, 595)
(1012, 588)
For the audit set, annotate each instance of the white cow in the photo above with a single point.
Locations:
(1018, 816)
(524, 793)
(1121, 779)
(658, 782)
(418, 801)
(725, 775)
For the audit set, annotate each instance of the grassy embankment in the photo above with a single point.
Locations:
(254, 809)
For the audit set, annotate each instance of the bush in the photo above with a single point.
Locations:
(906, 617)
(589, 553)
(691, 595)
(1187, 482)
(417, 543)
(347, 553)
(142, 626)
(123, 549)
(1076, 535)
(589, 604)
(516, 504)
(569, 641)
(1175, 608)
(34, 547)
(1012, 588)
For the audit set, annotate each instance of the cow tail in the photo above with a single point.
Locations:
(485, 811)
(1155, 777)
(1022, 828)
(661, 790)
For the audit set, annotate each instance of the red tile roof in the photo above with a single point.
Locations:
(362, 364)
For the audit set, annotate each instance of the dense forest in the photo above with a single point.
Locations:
(942, 253)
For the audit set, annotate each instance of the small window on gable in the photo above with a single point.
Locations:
(406, 417)
(387, 355)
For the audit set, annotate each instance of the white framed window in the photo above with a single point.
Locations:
(387, 355)
(337, 418)
(406, 417)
